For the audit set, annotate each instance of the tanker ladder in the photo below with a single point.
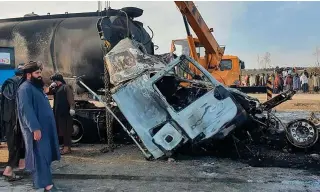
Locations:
(98, 98)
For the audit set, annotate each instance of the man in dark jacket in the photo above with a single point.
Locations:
(10, 125)
(63, 108)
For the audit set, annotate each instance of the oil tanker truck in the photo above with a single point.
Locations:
(71, 45)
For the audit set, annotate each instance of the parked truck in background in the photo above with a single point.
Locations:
(227, 72)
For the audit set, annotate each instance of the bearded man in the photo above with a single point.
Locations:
(38, 127)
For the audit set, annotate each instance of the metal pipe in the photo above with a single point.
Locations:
(128, 32)
(110, 111)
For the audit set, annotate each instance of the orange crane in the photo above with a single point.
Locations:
(206, 50)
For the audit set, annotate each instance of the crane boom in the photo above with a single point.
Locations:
(199, 26)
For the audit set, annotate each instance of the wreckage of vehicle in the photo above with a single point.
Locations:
(172, 105)
(265, 125)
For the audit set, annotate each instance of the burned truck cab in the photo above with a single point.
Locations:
(170, 105)
(199, 105)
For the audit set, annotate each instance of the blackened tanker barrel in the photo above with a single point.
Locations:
(69, 43)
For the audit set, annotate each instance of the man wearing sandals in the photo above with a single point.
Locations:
(10, 123)
(63, 108)
(38, 127)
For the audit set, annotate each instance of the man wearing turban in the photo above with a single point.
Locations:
(38, 127)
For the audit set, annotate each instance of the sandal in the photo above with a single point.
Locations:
(64, 152)
(13, 177)
(53, 189)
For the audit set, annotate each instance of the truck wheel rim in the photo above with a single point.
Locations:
(302, 133)
(77, 132)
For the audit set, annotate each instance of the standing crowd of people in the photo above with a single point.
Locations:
(29, 125)
(286, 80)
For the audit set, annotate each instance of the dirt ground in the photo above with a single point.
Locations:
(299, 102)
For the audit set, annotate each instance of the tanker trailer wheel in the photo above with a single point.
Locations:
(77, 131)
(302, 133)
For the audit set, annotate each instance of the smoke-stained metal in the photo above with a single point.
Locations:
(70, 43)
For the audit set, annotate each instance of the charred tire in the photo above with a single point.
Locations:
(302, 133)
(77, 131)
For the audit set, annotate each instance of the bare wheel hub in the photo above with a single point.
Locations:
(302, 133)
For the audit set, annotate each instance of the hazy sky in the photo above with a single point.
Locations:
(289, 31)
